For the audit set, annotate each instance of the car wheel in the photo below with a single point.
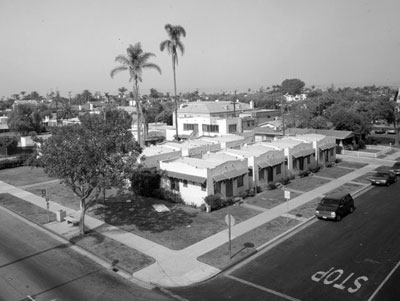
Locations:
(338, 218)
(351, 209)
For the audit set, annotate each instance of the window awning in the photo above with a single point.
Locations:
(182, 176)
(304, 153)
(327, 146)
(230, 174)
(271, 162)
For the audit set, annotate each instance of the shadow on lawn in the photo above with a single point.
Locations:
(143, 217)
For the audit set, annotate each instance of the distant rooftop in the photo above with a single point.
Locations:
(209, 107)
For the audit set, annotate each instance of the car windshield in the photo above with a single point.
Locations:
(327, 201)
(381, 175)
(396, 165)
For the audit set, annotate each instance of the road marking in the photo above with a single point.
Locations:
(384, 281)
(263, 288)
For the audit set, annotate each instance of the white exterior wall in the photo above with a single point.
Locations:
(154, 160)
(223, 125)
(226, 166)
(192, 194)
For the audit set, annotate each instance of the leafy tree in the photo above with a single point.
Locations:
(25, 119)
(135, 61)
(145, 181)
(154, 93)
(117, 118)
(89, 157)
(292, 86)
(66, 111)
(345, 120)
(319, 122)
(8, 145)
(174, 43)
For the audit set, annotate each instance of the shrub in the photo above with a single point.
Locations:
(226, 202)
(144, 181)
(285, 180)
(315, 167)
(361, 144)
(11, 163)
(271, 186)
(338, 160)
(258, 189)
(304, 173)
(202, 207)
(291, 175)
(168, 195)
(214, 201)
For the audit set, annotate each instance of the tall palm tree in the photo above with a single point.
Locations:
(135, 61)
(174, 43)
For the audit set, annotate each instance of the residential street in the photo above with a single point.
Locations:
(347, 260)
(34, 266)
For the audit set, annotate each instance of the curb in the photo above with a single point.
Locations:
(108, 264)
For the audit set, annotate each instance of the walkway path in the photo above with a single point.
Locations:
(181, 267)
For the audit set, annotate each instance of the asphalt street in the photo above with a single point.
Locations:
(355, 259)
(34, 266)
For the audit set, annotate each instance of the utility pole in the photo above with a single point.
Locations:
(283, 116)
(396, 117)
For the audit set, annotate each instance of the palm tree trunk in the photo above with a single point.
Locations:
(175, 100)
(136, 93)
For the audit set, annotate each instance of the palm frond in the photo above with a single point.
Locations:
(152, 66)
(122, 59)
(117, 70)
(167, 44)
(181, 47)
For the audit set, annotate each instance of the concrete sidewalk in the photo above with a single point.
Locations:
(174, 268)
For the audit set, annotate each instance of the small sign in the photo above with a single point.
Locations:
(227, 220)
(287, 194)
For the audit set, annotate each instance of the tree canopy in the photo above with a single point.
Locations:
(292, 86)
(89, 157)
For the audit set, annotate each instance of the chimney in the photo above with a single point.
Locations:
(251, 104)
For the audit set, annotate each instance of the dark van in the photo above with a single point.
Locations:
(335, 206)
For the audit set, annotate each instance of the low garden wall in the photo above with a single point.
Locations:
(380, 150)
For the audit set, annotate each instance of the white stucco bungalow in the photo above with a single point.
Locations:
(265, 165)
(324, 146)
(299, 155)
(229, 141)
(152, 156)
(194, 148)
(196, 178)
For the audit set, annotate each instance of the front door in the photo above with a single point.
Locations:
(270, 171)
(229, 187)
(301, 163)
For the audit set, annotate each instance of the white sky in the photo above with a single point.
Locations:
(230, 44)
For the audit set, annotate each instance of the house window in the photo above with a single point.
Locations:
(185, 183)
(331, 152)
(211, 128)
(308, 159)
(188, 127)
(261, 173)
(232, 128)
(174, 184)
(217, 187)
(278, 169)
(203, 186)
(250, 172)
(240, 181)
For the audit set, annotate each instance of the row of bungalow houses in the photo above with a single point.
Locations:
(231, 165)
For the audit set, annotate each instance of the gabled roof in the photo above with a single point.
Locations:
(212, 107)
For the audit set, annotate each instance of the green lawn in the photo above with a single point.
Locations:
(333, 172)
(307, 210)
(364, 179)
(25, 175)
(246, 243)
(177, 229)
(353, 165)
(269, 198)
(347, 188)
(306, 184)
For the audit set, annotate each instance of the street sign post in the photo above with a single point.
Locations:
(287, 197)
(230, 221)
(48, 207)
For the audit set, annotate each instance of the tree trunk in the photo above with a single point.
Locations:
(175, 100)
(136, 93)
(82, 217)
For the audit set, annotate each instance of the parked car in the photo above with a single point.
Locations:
(335, 206)
(391, 131)
(396, 168)
(380, 131)
(383, 178)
